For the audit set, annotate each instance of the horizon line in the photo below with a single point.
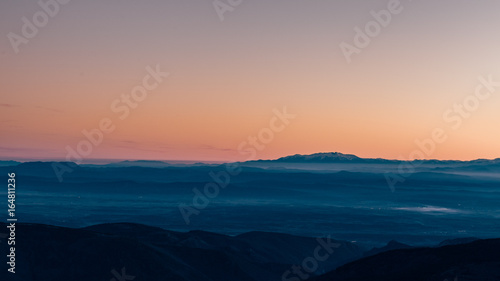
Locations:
(194, 161)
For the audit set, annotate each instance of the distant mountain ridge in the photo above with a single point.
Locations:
(321, 157)
(9, 163)
(337, 157)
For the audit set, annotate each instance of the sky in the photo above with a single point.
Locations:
(233, 64)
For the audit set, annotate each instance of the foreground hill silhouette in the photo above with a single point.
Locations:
(478, 261)
(56, 253)
(149, 253)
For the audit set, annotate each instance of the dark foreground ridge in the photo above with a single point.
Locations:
(137, 252)
(123, 251)
(478, 261)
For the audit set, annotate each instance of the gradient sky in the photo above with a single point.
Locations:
(227, 77)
